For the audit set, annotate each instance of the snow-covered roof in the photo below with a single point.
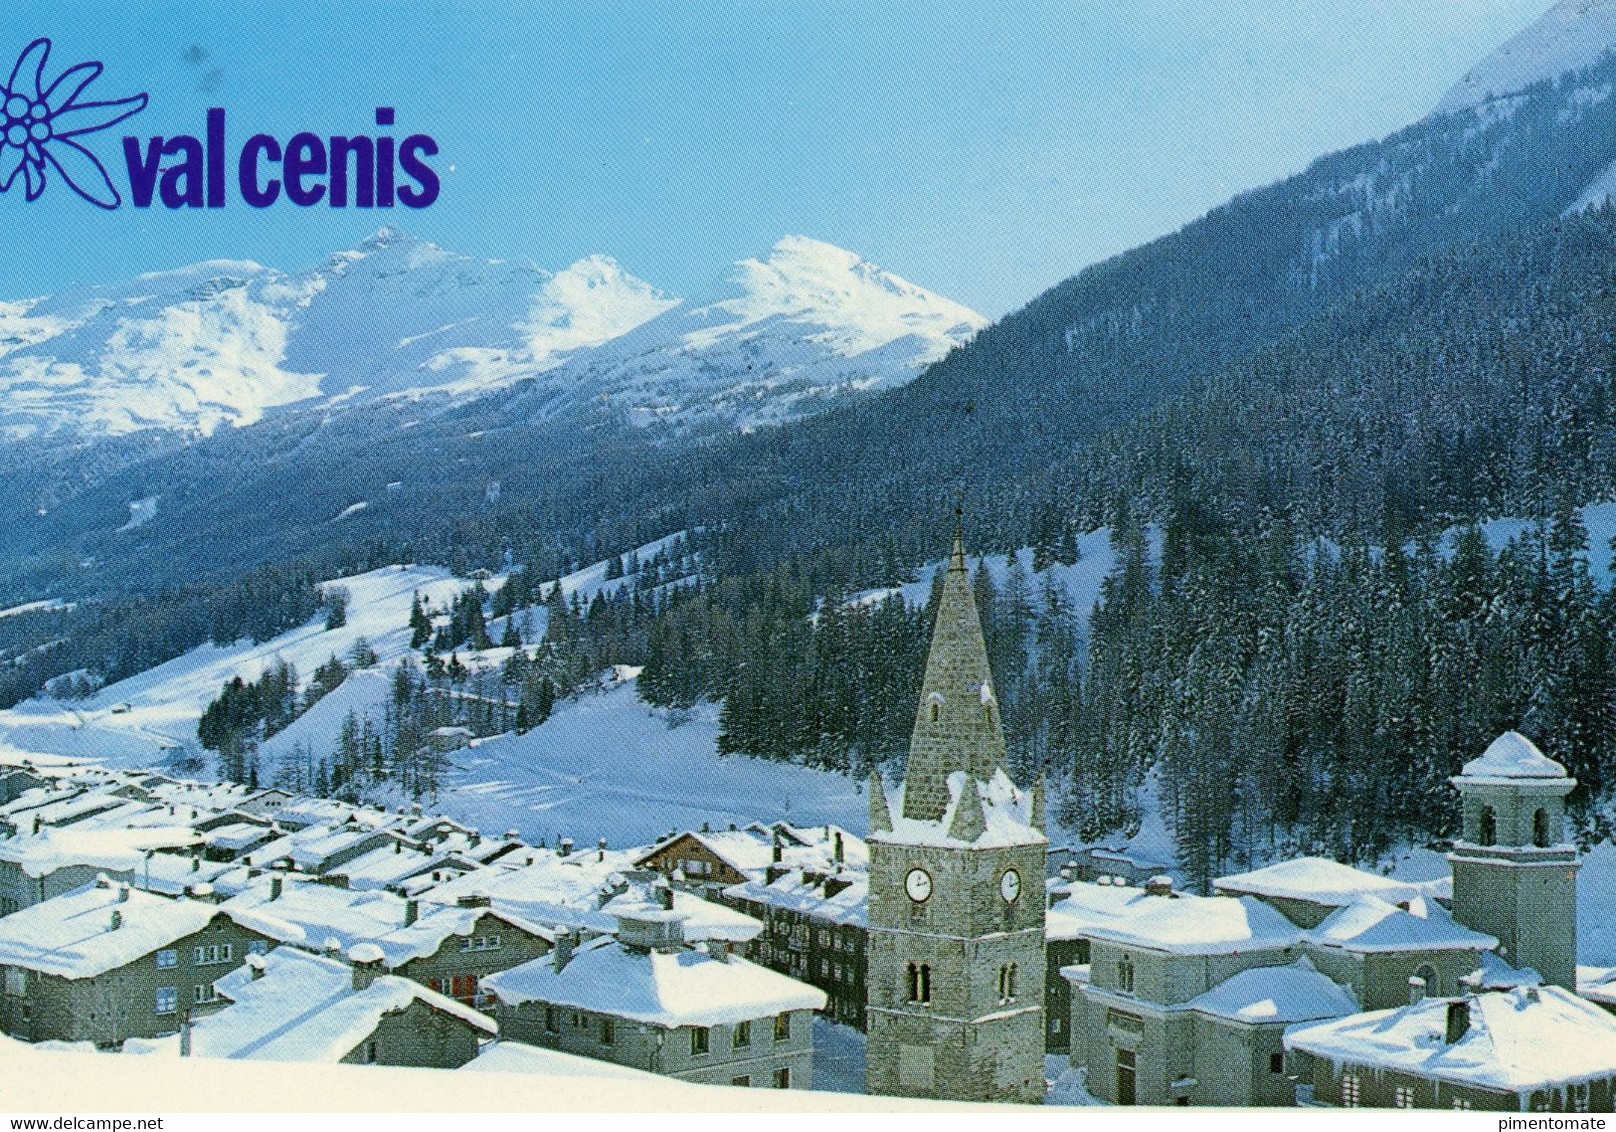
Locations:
(702, 918)
(1517, 1040)
(1512, 756)
(1086, 906)
(662, 988)
(1006, 813)
(1320, 881)
(791, 891)
(1371, 924)
(116, 850)
(310, 913)
(72, 935)
(303, 1008)
(1297, 993)
(516, 1057)
(1181, 924)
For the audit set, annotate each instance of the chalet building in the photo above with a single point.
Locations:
(293, 1006)
(814, 928)
(39, 866)
(647, 1000)
(1528, 1049)
(107, 962)
(447, 948)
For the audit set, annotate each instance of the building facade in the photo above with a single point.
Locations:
(956, 952)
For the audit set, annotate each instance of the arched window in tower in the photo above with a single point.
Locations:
(1488, 832)
(1540, 829)
(925, 983)
(1004, 985)
(1428, 975)
(934, 711)
(914, 982)
(1011, 996)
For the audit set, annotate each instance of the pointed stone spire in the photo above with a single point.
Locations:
(969, 821)
(957, 723)
(880, 813)
(1038, 821)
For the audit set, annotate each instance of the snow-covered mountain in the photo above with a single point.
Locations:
(778, 337)
(1568, 37)
(223, 342)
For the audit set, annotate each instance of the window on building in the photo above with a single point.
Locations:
(552, 1020)
(204, 992)
(1427, 974)
(481, 943)
(608, 1032)
(1054, 1023)
(1577, 1098)
(16, 981)
(8, 906)
(1125, 974)
(1488, 832)
(1276, 1062)
(934, 712)
(1540, 829)
(168, 957)
(168, 1000)
(1351, 1091)
(782, 1078)
(782, 1027)
(741, 1036)
(700, 1041)
(1462, 1104)
(214, 953)
(740, 1082)
(370, 1053)
(1403, 1096)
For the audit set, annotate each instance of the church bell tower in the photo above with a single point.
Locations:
(956, 911)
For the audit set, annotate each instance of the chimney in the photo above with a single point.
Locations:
(275, 884)
(476, 839)
(1458, 1020)
(1416, 989)
(255, 964)
(1159, 886)
(774, 873)
(367, 964)
(706, 827)
(39, 823)
(840, 854)
(600, 846)
(565, 847)
(562, 954)
(123, 894)
(778, 852)
(412, 911)
(117, 919)
(196, 862)
(398, 846)
(333, 949)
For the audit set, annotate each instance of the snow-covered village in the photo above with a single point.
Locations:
(1167, 660)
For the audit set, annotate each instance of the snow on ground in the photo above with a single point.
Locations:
(133, 722)
(838, 1057)
(1570, 36)
(141, 512)
(1067, 1086)
(1082, 580)
(49, 605)
(608, 764)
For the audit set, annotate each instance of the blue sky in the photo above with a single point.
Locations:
(984, 150)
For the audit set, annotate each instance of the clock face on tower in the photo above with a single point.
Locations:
(1010, 886)
(918, 885)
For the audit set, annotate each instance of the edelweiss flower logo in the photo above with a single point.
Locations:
(38, 125)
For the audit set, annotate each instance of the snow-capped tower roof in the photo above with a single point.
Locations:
(1511, 757)
(957, 725)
